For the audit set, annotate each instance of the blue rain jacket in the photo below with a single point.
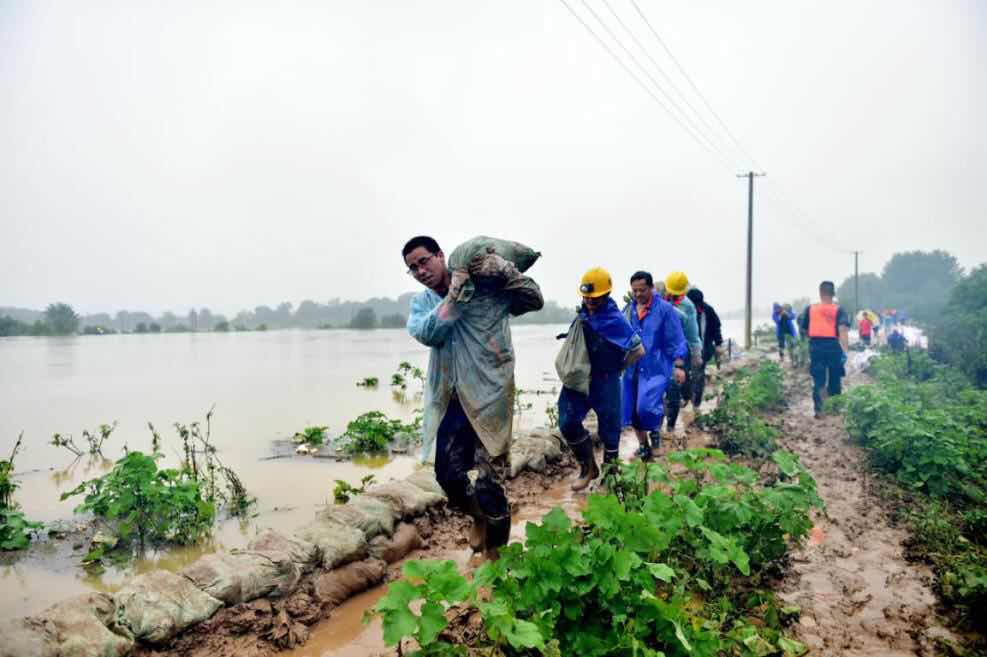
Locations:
(609, 337)
(664, 341)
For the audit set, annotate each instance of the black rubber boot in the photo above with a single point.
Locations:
(655, 437)
(588, 470)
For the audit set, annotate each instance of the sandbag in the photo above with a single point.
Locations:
(394, 548)
(27, 637)
(305, 555)
(572, 363)
(244, 576)
(336, 587)
(156, 606)
(339, 544)
(370, 515)
(405, 498)
(80, 626)
(522, 256)
(526, 454)
(425, 479)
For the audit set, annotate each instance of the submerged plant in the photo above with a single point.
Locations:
(370, 433)
(343, 490)
(15, 529)
(94, 440)
(314, 436)
(368, 382)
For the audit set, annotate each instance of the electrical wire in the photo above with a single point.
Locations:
(641, 84)
(671, 83)
(695, 88)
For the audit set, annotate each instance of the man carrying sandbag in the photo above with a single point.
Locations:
(469, 393)
(611, 345)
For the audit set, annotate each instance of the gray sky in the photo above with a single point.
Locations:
(157, 156)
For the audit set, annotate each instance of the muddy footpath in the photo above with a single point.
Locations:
(857, 592)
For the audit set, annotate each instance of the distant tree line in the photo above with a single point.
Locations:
(61, 319)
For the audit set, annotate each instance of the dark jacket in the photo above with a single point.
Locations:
(709, 323)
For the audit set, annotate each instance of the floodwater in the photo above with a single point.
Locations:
(263, 386)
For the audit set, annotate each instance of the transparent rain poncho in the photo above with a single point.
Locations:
(471, 357)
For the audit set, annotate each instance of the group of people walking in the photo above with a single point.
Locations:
(645, 361)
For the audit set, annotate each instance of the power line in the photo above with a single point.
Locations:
(666, 77)
(647, 74)
(695, 88)
(636, 79)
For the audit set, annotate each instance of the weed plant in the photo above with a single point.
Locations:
(669, 565)
(15, 529)
(94, 440)
(925, 425)
(312, 436)
(343, 490)
(736, 421)
(372, 433)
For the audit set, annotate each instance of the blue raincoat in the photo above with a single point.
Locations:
(645, 381)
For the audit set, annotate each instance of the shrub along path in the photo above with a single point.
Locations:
(857, 592)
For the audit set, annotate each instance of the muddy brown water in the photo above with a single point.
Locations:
(265, 386)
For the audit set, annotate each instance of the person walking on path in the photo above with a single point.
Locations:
(676, 286)
(785, 328)
(828, 327)
(611, 345)
(645, 381)
(710, 332)
(864, 329)
(469, 393)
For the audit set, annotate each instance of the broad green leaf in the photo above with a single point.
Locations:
(432, 621)
(661, 571)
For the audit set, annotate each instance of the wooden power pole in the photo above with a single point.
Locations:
(750, 175)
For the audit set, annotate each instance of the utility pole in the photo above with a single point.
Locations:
(856, 285)
(750, 175)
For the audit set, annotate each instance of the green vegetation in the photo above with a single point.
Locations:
(368, 382)
(312, 436)
(94, 440)
(520, 406)
(371, 433)
(916, 282)
(15, 529)
(960, 336)
(406, 373)
(146, 505)
(364, 319)
(343, 490)
(736, 420)
(668, 564)
(925, 426)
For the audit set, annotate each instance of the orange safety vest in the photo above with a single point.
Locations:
(822, 320)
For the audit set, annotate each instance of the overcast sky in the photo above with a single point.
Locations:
(161, 156)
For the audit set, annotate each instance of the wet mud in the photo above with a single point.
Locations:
(857, 592)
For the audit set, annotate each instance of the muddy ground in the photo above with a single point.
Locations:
(858, 593)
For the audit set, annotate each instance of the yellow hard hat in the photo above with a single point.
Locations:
(596, 282)
(676, 283)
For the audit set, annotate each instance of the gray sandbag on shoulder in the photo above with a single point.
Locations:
(521, 255)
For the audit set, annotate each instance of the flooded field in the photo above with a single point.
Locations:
(265, 387)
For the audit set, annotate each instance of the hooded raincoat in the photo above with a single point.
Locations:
(645, 382)
(471, 357)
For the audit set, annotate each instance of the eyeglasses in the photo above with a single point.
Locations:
(415, 268)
